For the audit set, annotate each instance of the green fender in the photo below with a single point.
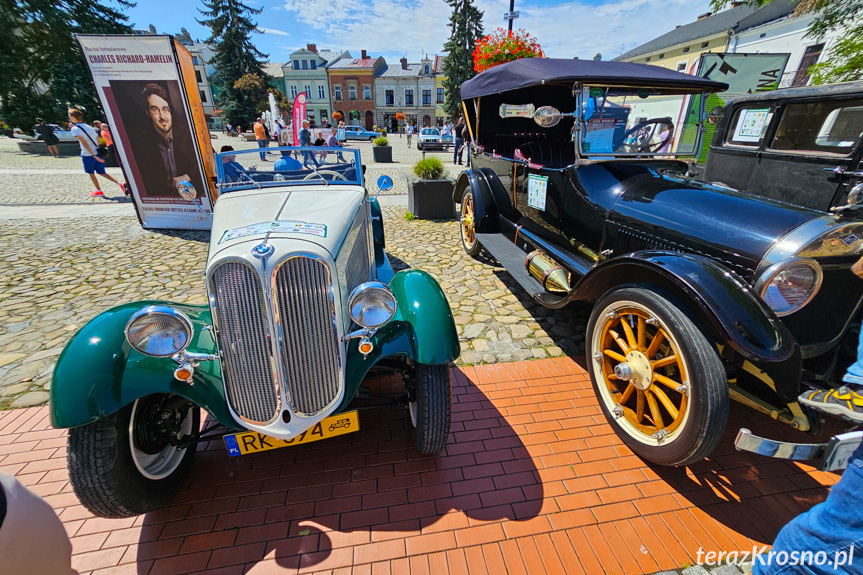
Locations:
(422, 330)
(99, 373)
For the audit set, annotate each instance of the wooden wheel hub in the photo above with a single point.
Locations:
(636, 369)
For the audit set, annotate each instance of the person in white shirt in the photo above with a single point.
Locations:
(93, 164)
(409, 131)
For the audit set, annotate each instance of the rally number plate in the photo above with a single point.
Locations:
(252, 442)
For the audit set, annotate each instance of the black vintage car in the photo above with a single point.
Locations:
(800, 145)
(578, 186)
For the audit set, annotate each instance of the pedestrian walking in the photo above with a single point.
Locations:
(409, 131)
(306, 140)
(458, 132)
(48, 136)
(333, 142)
(228, 127)
(93, 164)
(261, 137)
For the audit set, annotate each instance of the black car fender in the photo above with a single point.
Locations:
(485, 210)
(721, 303)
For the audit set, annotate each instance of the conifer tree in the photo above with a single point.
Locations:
(465, 29)
(231, 26)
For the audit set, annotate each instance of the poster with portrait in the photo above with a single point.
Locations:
(143, 93)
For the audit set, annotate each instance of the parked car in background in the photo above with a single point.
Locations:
(578, 187)
(359, 133)
(303, 306)
(799, 145)
(431, 139)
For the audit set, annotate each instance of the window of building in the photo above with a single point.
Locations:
(367, 92)
(296, 64)
(681, 66)
(322, 92)
(293, 91)
(749, 126)
(409, 97)
(660, 57)
(820, 127)
(426, 69)
(198, 76)
(305, 64)
(704, 44)
(308, 90)
(810, 56)
(323, 115)
(196, 61)
(389, 98)
(763, 35)
(203, 96)
(337, 92)
(426, 97)
(440, 95)
(685, 50)
(314, 64)
(648, 59)
(352, 92)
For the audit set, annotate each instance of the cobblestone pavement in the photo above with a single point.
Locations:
(58, 273)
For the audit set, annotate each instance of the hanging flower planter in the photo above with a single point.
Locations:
(502, 46)
(338, 116)
(400, 116)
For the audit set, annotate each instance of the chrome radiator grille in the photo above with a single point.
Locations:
(359, 259)
(243, 331)
(311, 341)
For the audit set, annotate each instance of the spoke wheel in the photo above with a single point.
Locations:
(468, 225)
(660, 382)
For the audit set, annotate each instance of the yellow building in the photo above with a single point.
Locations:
(440, 114)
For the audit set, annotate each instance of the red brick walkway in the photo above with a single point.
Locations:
(533, 480)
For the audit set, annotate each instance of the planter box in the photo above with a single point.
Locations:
(382, 154)
(431, 199)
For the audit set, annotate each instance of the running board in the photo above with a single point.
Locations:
(512, 258)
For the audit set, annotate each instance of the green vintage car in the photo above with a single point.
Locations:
(303, 305)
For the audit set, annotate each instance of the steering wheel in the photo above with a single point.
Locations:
(644, 134)
(335, 175)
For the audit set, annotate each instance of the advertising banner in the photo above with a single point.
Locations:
(744, 74)
(299, 114)
(144, 94)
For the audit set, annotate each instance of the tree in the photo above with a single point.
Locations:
(845, 58)
(234, 57)
(465, 29)
(42, 69)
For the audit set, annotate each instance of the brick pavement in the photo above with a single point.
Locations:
(533, 480)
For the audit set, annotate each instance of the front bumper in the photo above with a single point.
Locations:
(830, 456)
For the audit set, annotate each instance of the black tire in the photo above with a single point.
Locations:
(419, 147)
(468, 203)
(106, 479)
(372, 139)
(703, 419)
(433, 404)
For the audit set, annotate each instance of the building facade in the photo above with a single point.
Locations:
(352, 85)
(307, 72)
(410, 89)
(439, 77)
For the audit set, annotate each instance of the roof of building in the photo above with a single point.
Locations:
(396, 71)
(353, 63)
(738, 18)
(273, 69)
(438, 63)
(331, 55)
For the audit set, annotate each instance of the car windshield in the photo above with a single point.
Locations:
(283, 166)
(638, 122)
(430, 132)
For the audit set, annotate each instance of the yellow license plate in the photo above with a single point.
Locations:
(253, 442)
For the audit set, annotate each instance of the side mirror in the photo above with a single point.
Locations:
(855, 195)
(549, 116)
(714, 115)
(384, 183)
(188, 191)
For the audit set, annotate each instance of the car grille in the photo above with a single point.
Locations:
(358, 269)
(244, 333)
(307, 315)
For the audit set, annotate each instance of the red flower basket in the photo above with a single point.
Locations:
(337, 116)
(400, 116)
(502, 46)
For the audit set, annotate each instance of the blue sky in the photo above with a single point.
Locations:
(396, 28)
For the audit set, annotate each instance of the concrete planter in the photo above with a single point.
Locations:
(383, 154)
(431, 199)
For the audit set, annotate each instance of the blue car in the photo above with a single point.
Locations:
(358, 133)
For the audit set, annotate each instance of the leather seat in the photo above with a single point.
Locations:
(555, 154)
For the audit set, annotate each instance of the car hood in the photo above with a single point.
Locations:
(318, 214)
(674, 213)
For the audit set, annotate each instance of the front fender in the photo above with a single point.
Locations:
(422, 329)
(484, 209)
(724, 305)
(99, 373)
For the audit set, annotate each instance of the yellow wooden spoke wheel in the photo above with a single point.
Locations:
(467, 225)
(659, 380)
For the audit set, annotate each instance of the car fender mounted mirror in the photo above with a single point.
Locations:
(852, 204)
(187, 191)
(384, 184)
(549, 116)
(714, 115)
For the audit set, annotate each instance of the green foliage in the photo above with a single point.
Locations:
(465, 29)
(429, 169)
(234, 56)
(381, 141)
(42, 69)
(844, 60)
(409, 216)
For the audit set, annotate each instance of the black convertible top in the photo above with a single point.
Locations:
(536, 71)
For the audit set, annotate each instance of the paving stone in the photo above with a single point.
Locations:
(473, 330)
(30, 399)
(7, 358)
(725, 570)
(695, 570)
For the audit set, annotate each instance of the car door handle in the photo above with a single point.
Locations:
(838, 170)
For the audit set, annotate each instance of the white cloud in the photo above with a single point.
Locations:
(273, 31)
(564, 28)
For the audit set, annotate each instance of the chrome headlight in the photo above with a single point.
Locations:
(159, 331)
(371, 305)
(789, 285)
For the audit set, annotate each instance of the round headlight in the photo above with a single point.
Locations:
(159, 331)
(789, 285)
(372, 305)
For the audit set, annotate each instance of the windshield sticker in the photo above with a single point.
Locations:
(600, 134)
(536, 191)
(277, 226)
(751, 124)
